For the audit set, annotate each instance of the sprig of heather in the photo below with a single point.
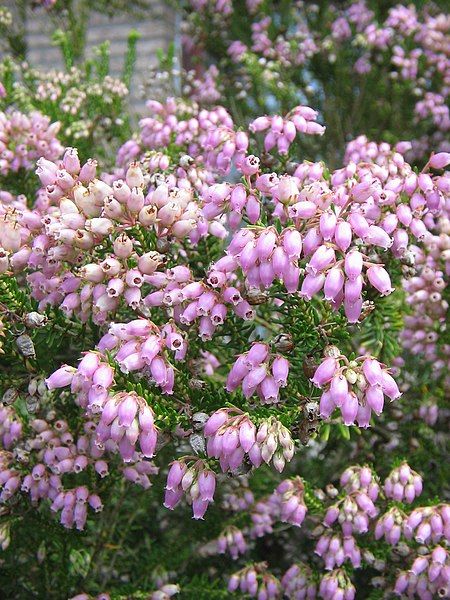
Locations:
(428, 576)
(259, 372)
(356, 387)
(298, 583)
(255, 581)
(191, 478)
(282, 131)
(338, 584)
(233, 438)
(25, 139)
(403, 484)
(231, 540)
(286, 504)
(206, 303)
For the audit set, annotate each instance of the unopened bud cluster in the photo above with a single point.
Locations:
(25, 138)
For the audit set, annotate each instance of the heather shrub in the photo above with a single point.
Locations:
(223, 343)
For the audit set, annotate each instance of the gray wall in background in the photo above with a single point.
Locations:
(157, 31)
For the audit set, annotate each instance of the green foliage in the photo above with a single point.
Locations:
(381, 329)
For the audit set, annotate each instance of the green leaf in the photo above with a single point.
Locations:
(325, 432)
(80, 561)
(344, 431)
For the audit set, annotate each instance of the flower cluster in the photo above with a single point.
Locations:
(361, 149)
(352, 512)
(233, 541)
(255, 581)
(288, 498)
(140, 345)
(10, 427)
(263, 256)
(221, 198)
(357, 387)
(428, 576)
(240, 497)
(207, 302)
(90, 381)
(356, 478)
(403, 484)
(428, 524)
(389, 526)
(233, 438)
(25, 138)
(336, 584)
(285, 504)
(429, 412)
(263, 516)
(282, 131)
(254, 373)
(334, 549)
(207, 140)
(195, 480)
(126, 419)
(298, 584)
